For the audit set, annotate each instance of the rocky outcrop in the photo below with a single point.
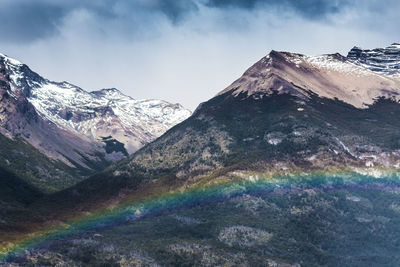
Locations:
(382, 60)
(15, 110)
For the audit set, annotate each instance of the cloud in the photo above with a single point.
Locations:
(309, 9)
(26, 20)
(175, 9)
(32, 20)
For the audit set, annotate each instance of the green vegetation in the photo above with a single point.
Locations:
(348, 226)
(242, 131)
(36, 169)
(14, 190)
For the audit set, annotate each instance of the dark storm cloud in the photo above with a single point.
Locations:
(30, 20)
(24, 21)
(312, 9)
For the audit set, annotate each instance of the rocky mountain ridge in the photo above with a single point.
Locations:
(381, 60)
(95, 114)
(86, 131)
(330, 76)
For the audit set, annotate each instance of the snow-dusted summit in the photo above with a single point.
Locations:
(331, 76)
(97, 116)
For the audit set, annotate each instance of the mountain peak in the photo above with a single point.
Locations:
(330, 75)
(10, 60)
(91, 115)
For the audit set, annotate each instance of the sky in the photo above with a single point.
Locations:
(182, 51)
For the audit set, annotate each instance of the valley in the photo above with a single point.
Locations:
(296, 163)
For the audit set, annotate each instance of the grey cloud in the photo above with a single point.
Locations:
(26, 21)
(312, 9)
(31, 20)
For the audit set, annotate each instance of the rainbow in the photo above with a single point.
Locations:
(206, 194)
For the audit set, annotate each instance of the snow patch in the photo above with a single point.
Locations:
(353, 198)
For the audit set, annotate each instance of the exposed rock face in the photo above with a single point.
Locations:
(139, 121)
(15, 111)
(382, 60)
(60, 158)
(84, 130)
(96, 114)
(19, 118)
(93, 115)
(330, 76)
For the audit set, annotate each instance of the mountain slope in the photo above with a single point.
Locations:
(80, 132)
(15, 191)
(279, 169)
(328, 76)
(36, 149)
(288, 113)
(94, 114)
(286, 105)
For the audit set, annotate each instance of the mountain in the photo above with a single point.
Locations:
(95, 114)
(79, 132)
(287, 111)
(296, 163)
(381, 60)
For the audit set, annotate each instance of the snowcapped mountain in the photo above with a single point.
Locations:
(149, 119)
(381, 60)
(331, 76)
(285, 112)
(97, 114)
(71, 125)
